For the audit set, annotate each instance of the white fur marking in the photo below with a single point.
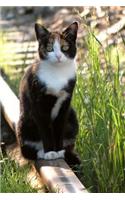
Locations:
(56, 56)
(61, 154)
(56, 76)
(51, 155)
(57, 48)
(55, 110)
(40, 154)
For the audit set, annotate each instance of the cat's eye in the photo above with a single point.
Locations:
(49, 48)
(65, 47)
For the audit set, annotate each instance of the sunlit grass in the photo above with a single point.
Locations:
(100, 105)
(13, 178)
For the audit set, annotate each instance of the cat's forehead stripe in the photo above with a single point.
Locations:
(56, 36)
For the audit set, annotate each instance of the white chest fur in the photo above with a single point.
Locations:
(57, 76)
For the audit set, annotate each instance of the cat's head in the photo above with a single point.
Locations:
(56, 47)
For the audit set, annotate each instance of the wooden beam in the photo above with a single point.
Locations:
(57, 175)
(9, 104)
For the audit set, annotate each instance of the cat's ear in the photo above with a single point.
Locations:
(71, 31)
(41, 31)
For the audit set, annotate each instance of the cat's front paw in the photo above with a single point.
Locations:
(61, 154)
(51, 155)
(40, 154)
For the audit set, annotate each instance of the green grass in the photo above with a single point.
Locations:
(13, 178)
(100, 105)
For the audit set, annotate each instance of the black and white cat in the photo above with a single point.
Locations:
(48, 124)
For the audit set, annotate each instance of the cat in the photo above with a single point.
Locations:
(48, 125)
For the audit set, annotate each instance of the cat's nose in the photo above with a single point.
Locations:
(58, 56)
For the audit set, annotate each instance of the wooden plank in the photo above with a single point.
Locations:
(57, 175)
(9, 103)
